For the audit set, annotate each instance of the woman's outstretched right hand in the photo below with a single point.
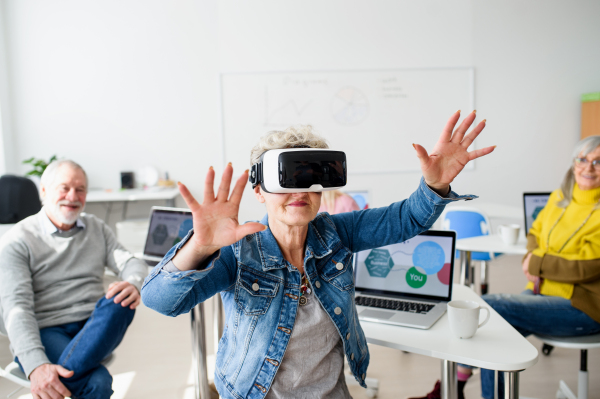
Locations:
(215, 220)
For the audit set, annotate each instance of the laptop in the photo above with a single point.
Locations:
(533, 203)
(167, 227)
(406, 284)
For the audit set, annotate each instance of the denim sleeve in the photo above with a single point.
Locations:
(398, 222)
(176, 292)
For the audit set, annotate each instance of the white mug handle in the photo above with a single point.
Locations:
(499, 230)
(487, 317)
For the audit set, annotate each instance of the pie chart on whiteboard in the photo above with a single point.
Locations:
(349, 106)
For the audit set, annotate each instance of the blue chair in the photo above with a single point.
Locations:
(470, 222)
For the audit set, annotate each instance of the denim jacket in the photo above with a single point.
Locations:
(260, 289)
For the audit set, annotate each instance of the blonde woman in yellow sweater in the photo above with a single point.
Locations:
(562, 265)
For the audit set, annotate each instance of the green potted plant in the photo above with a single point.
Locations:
(39, 165)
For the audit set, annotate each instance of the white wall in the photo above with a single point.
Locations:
(117, 85)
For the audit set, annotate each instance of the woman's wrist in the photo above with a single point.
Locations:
(441, 189)
(189, 256)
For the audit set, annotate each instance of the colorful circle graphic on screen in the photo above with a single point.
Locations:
(429, 256)
(414, 278)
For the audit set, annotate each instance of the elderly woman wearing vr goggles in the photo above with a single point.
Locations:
(287, 282)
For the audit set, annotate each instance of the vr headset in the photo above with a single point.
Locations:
(293, 170)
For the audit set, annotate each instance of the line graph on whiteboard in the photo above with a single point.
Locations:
(348, 106)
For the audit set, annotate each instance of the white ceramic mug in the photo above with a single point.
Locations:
(509, 233)
(464, 318)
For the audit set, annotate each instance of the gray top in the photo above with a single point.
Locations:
(50, 277)
(313, 364)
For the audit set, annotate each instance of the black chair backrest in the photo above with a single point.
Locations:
(19, 198)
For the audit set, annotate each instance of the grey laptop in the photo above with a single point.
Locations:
(406, 284)
(167, 227)
(533, 203)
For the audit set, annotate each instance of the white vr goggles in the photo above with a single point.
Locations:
(293, 170)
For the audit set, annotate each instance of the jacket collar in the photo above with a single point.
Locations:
(270, 253)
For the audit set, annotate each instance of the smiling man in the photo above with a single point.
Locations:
(60, 322)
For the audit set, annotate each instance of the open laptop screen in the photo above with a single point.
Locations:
(167, 227)
(421, 267)
(533, 203)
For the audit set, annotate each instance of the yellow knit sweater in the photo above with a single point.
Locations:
(565, 243)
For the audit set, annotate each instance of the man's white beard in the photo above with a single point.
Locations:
(70, 217)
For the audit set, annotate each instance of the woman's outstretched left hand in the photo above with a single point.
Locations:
(450, 155)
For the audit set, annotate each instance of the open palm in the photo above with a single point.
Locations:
(216, 219)
(450, 154)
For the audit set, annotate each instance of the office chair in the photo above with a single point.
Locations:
(19, 198)
(583, 343)
(470, 222)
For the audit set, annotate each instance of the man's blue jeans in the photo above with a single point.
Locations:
(82, 345)
(535, 314)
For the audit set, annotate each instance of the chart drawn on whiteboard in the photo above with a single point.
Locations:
(374, 116)
(349, 106)
(289, 112)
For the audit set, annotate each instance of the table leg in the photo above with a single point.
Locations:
(511, 385)
(484, 278)
(124, 213)
(462, 256)
(199, 352)
(108, 209)
(449, 381)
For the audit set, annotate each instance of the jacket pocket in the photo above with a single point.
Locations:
(254, 292)
(337, 270)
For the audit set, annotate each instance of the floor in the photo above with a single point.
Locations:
(154, 360)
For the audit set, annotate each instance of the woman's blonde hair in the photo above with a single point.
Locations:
(583, 148)
(328, 199)
(301, 136)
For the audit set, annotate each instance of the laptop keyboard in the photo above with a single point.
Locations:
(393, 304)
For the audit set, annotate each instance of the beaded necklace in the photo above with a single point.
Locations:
(304, 290)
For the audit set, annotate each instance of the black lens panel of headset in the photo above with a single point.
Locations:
(302, 169)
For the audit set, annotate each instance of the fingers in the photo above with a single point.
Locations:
(115, 288)
(125, 293)
(449, 128)
(188, 197)
(459, 133)
(422, 154)
(225, 184)
(248, 228)
(469, 138)
(136, 303)
(133, 296)
(209, 184)
(63, 372)
(481, 152)
(238, 190)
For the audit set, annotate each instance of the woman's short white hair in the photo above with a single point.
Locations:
(582, 149)
(301, 136)
(50, 172)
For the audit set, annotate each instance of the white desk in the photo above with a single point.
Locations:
(495, 346)
(130, 195)
(490, 243)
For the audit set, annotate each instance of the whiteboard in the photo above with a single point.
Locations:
(373, 116)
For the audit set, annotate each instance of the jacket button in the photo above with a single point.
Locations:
(255, 287)
(339, 266)
(337, 310)
(352, 358)
(318, 284)
(348, 336)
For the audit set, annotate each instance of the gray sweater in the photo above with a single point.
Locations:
(49, 277)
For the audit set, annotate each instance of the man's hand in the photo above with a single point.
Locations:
(45, 383)
(128, 294)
